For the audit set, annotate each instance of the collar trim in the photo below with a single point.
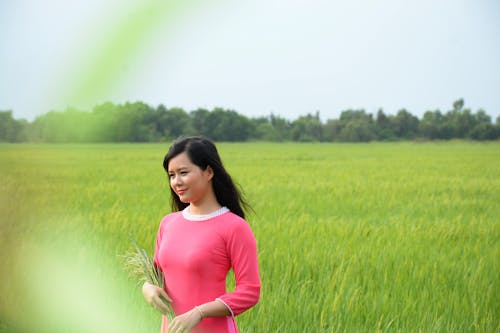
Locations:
(186, 213)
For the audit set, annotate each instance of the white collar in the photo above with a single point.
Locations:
(186, 213)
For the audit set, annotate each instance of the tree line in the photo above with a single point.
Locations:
(139, 122)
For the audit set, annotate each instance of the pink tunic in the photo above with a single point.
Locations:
(196, 257)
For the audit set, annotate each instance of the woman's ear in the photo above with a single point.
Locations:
(210, 172)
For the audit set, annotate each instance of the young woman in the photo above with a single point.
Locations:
(200, 242)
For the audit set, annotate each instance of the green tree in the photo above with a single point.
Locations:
(484, 129)
(199, 121)
(431, 125)
(404, 125)
(463, 123)
(282, 127)
(332, 129)
(459, 121)
(307, 128)
(458, 105)
(383, 126)
(130, 122)
(174, 122)
(12, 130)
(356, 126)
(263, 130)
(54, 126)
(228, 125)
(271, 128)
(357, 130)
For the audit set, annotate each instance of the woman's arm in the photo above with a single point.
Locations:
(213, 309)
(242, 249)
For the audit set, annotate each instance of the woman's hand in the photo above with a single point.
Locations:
(153, 295)
(185, 322)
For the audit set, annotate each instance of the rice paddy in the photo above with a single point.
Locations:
(377, 237)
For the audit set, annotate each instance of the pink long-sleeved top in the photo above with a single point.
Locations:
(196, 253)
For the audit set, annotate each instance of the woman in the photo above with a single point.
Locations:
(200, 242)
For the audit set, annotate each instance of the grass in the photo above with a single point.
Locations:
(389, 237)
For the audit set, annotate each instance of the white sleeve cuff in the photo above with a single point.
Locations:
(227, 306)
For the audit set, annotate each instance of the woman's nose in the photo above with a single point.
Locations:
(175, 180)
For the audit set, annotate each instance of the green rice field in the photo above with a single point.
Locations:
(376, 237)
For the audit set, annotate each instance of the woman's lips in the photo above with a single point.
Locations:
(180, 192)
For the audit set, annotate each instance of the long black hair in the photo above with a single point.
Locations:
(203, 153)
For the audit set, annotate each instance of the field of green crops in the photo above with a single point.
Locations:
(378, 237)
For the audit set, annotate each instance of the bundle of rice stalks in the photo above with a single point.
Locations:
(141, 266)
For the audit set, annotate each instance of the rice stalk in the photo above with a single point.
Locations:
(141, 266)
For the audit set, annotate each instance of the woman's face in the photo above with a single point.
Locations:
(188, 180)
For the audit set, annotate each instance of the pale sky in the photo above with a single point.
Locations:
(255, 57)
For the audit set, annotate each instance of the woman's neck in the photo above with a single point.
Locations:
(203, 210)
(206, 206)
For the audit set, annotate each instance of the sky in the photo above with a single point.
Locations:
(289, 58)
